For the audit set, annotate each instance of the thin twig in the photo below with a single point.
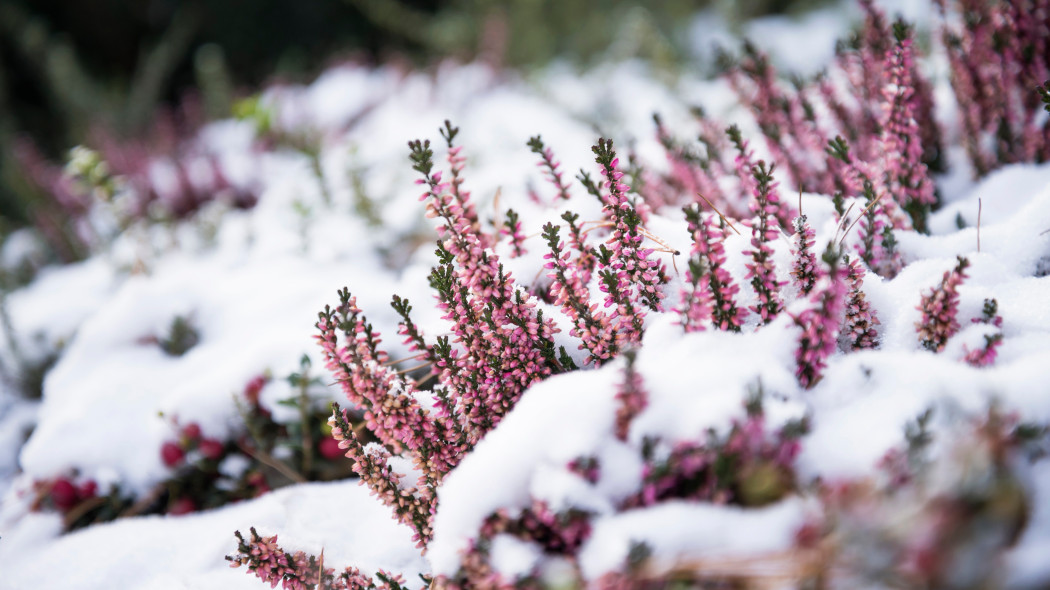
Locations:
(651, 236)
(320, 570)
(842, 221)
(724, 218)
(978, 226)
(144, 502)
(859, 217)
(271, 461)
(416, 368)
(407, 358)
(81, 509)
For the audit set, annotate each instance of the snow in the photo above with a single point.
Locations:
(187, 552)
(677, 530)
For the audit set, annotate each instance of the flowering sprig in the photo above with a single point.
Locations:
(997, 57)
(638, 275)
(631, 398)
(587, 256)
(940, 308)
(761, 270)
(901, 142)
(858, 330)
(985, 355)
(412, 507)
(273, 565)
(592, 326)
(715, 284)
(804, 270)
(512, 229)
(691, 172)
(300, 571)
(821, 323)
(550, 165)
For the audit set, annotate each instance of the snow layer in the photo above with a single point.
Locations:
(157, 552)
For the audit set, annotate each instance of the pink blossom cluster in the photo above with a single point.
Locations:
(690, 172)
(512, 229)
(858, 329)
(940, 308)
(764, 207)
(986, 354)
(299, 571)
(592, 326)
(635, 275)
(900, 142)
(712, 296)
(998, 53)
(791, 137)
(804, 269)
(631, 399)
(821, 323)
(550, 166)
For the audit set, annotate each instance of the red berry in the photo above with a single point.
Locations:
(63, 494)
(182, 506)
(172, 454)
(329, 448)
(88, 489)
(191, 431)
(251, 391)
(211, 449)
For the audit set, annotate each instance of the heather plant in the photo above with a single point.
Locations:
(207, 471)
(985, 354)
(607, 283)
(999, 57)
(940, 308)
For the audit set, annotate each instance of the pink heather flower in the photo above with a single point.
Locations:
(631, 398)
(939, 309)
(804, 265)
(901, 142)
(716, 286)
(779, 116)
(858, 330)
(512, 229)
(820, 323)
(550, 165)
(638, 276)
(761, 270)
(592, 326)
(412, 507)
(985, 355)
(691, 173)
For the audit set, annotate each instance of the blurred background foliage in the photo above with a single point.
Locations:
(73, 68)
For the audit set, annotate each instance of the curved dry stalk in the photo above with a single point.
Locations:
(724, 218)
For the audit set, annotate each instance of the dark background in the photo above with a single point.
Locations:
(69, 68)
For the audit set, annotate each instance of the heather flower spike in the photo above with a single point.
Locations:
(631, 398)
(760, 270)
(512, 229)
(714, 286)
(986, 354)
(939, 309)
(550, 166)
(821, 323)
(804, 266)
(592, 326)
(858, 330)
(901, 140)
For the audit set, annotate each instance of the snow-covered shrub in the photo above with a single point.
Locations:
(606, 289)
(260, 454)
